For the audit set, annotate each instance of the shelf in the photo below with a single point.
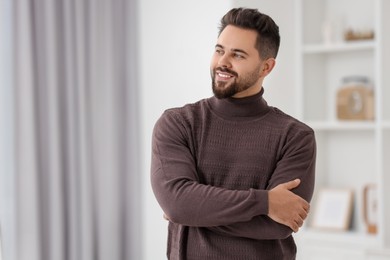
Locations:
(341, 125)
(343, 238)
(339, 47)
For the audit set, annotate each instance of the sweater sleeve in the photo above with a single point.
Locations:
(297, 161)
(178, 191)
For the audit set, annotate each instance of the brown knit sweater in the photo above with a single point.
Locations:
(213, 163)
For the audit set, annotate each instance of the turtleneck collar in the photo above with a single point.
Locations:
(252, 106)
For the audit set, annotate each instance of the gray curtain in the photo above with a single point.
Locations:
(76, 129)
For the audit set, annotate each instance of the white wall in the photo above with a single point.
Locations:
(177, 39)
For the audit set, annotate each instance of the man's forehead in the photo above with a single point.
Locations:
(233, 37)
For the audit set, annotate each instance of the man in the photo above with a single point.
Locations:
(233, 175)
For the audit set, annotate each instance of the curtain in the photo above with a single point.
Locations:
(76, 130)
(6, 195)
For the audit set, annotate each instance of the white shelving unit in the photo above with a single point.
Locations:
(351, 154)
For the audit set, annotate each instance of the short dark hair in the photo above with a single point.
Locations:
(268, 38)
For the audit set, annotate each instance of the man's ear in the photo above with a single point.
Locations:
(268, 66)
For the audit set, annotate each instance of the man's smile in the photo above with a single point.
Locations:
(223, 76)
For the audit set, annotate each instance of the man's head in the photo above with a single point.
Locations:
(268, 38)
(245, 53)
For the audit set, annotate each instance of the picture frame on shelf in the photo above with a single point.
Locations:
(370, 207)
(333, 209)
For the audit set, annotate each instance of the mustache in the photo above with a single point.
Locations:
(222, 69)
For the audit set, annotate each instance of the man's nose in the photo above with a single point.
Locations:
(224, 61)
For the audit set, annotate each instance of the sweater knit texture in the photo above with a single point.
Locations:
(213, 163)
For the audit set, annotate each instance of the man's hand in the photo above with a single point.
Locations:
(287, 208)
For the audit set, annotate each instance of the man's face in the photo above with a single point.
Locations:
(236, 65)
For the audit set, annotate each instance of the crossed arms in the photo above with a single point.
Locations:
(272, 213)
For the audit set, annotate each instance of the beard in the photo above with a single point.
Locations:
(222, 89)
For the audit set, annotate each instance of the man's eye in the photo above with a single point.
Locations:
(219, 51)
(239, 56)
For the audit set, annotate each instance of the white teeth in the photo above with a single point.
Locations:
(223, 75)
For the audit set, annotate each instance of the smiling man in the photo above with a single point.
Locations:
(245, 61)
(233, 175)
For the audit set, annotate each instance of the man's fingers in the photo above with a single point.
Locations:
(292, 184)
(296, 224)
(295, 227)
(307, 207)
(303, 215)
(300, 222)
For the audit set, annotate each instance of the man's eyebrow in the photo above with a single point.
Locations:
(239, 50)
(233, 50)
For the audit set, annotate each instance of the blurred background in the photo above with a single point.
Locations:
(82, 83)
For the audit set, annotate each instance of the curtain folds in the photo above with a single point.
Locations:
(76, 130)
